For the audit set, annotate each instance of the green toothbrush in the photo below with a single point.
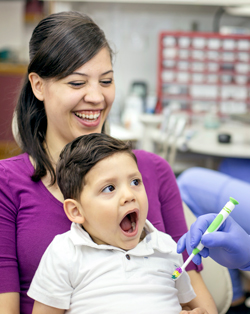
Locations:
(216, 223)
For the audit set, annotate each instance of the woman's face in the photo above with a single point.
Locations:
(79, 103)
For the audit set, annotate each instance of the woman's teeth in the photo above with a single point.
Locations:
(88, 116)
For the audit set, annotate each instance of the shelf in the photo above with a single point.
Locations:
(204, 60)
(9, 149)
(189, 99)
(186, 74)
(12, 68)
(189, 83)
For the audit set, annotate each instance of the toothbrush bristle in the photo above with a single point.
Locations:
(176, 273)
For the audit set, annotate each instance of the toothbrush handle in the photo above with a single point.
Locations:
(217, 222)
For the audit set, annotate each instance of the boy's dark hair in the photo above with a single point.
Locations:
(60, 44)
(82, 154)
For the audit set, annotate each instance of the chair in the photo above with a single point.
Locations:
(215, 276)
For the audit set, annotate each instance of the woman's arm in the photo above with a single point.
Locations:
(40, 308)
(10, 303)
(9, 282)
(203, 297)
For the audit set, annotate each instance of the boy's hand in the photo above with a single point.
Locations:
(198, 310)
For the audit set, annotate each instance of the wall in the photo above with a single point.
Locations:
(11, 24)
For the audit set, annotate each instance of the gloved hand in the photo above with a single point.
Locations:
(229, 246)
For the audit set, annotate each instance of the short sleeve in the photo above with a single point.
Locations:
(185, 291)
(8, 257)
(183, 285)
(51, 284)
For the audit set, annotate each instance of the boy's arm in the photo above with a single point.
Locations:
(203, 299)
(40, 308)
(190, 308)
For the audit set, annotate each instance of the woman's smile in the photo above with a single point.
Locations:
(89, 118)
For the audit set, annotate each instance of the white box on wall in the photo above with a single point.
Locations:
(11, 24)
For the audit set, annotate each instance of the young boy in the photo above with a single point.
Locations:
(112, 260)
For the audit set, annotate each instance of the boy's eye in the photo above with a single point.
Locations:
(136, 182)
(108, 189)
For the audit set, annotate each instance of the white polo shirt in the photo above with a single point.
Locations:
(81, 276)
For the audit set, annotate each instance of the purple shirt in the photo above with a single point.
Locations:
(30, 217)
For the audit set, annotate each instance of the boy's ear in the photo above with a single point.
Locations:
(37, 85)
(72, 210)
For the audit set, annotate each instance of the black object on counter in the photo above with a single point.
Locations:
(224, 138)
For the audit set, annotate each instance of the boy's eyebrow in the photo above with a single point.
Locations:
(135, 174)
(83, 74)
(111, 179)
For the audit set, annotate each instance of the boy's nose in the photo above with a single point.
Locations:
(127, 197)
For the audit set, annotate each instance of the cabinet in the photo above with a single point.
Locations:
(198, 72)
(11, 76)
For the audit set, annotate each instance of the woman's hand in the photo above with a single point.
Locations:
(198, 310)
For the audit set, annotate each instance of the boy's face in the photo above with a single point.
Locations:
(114, 203)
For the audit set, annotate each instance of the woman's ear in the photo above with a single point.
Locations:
(37, 84)
(72, 210)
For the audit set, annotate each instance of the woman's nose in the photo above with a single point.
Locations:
(93, 94)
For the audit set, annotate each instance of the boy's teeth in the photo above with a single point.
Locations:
(133, 225)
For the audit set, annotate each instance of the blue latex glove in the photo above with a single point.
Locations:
(229, 246)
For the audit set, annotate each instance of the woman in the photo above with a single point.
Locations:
(68, 91)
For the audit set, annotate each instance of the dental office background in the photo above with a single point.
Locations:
(132, 29)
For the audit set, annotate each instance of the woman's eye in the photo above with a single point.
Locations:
(108, 189)
(107, 82)
(136, 182)
(76, 84)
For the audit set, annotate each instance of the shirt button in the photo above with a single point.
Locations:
(127, 256)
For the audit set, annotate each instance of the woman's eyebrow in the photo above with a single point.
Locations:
(83, 74)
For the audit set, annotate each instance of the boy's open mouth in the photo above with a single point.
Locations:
(129, 222)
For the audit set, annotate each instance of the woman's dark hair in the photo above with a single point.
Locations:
(82, 154)
(60, 44)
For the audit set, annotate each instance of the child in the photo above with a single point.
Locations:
(112, 260)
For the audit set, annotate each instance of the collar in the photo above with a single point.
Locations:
(154, 240)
